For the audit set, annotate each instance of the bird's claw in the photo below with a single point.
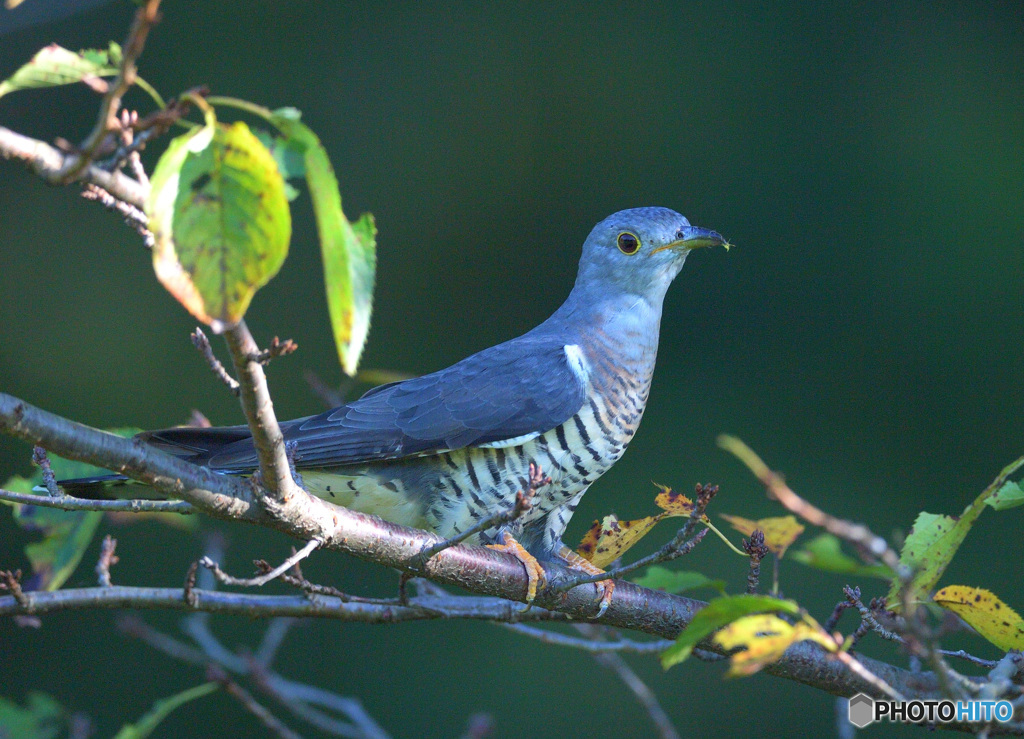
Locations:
(534, 571)
(605, 588)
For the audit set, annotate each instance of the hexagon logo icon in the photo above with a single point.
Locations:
(862, 710)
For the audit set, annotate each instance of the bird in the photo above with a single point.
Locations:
(447, 450)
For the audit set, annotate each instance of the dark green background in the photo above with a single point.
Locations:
(864, 335)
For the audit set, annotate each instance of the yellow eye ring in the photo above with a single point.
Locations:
(628, 243)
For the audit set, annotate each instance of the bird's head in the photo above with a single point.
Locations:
(639, 252)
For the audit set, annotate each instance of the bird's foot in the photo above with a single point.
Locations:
(605, 588)
(534, 572)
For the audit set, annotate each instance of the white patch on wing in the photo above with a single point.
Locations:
(514, 441)
(577, 362)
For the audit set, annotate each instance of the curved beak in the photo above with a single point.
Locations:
(696, 238)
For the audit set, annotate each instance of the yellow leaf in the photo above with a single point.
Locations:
(779, 532)
(673, 503)
(988, 615)
(765, 637)
(609, 539)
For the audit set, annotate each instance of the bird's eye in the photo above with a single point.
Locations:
(628, 243)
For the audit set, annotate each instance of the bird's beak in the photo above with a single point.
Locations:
(695, 238)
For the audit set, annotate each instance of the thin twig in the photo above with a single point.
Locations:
(329, 396)
(273, 684)
(133, 217)
(107, 559)
(266, 577)
(273, 638)
(270, 722)
(42, 461)
(680, 545)
(855, 533)
(10, 580)
(71, 503)
(869, 677)
(756, 550)
(107, 121)
(276, 349)
(200, 342)
(648, 700)
(482, 571)
(275, 467)
(590, 645)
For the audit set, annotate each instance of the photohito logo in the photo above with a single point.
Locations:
(866, 710)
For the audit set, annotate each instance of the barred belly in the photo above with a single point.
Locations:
(449, 492)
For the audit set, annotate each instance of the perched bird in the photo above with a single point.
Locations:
(446, 450)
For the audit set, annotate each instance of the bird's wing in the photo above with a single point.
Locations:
(521, 388)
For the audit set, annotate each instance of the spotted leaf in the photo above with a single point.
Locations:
(610, 538)
(762, 639)
(779, 532)
(220, 217)
(718, 613)
(986, 613)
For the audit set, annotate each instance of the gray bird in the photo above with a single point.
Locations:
(446, 450)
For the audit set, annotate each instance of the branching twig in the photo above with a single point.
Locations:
(266, 577)
(236, 691)
(133, 217)
(756, 550)
(648, 700)
(10, 580)
(277, 348)
(680, 545)
(483, 571)
(49, 164)
(42, 461)
(145, 17)
(200, 342)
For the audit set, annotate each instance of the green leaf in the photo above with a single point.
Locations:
(927, 551)
(289, 156)
(718, 613)
(54, 65)
(65, 534)
(348, 249)
(162, 709)
(1010, 495)
(825, 553)
(219, 213)
(676, 581)
(41, 718)
(934, 540)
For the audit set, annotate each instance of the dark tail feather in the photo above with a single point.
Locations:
(195, 445)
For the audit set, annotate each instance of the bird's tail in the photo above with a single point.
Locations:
(196, 445)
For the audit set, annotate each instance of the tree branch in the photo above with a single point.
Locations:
(276, 473)
(49, 164)
(477, 569)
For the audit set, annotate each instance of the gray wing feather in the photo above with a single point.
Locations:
(516, 388)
